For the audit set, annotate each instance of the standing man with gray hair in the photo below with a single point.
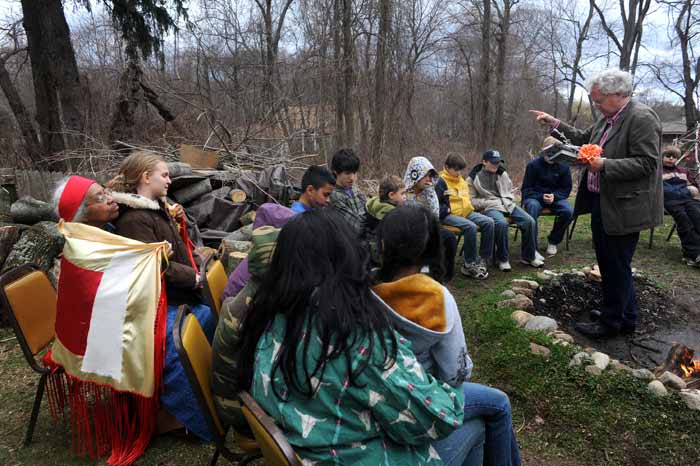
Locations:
(621, 190)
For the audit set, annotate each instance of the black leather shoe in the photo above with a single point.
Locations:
(626, 329)
(596, 330)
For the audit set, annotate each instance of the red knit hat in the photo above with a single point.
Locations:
(72, 196)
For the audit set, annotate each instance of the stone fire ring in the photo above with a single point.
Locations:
(594, 362)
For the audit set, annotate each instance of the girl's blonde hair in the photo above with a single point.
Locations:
(131, 170)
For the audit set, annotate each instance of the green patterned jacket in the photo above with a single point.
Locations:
(389, 419)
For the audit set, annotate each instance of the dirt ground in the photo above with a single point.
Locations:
(666, 315)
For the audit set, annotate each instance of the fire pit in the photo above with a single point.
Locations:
(663, 319)
(679, 361)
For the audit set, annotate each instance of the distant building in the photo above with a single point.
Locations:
(672, 130)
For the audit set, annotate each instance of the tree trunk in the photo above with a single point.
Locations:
(380, 84)
(502, 50)
(8, 237)
(690, 83)
(633, 17)
(582, 37)
(124, 116)
(340, 134)
(55, 73)
(348, 72)
(32, 146)
(484, 136)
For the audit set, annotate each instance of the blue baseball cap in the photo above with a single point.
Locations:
(492, 156)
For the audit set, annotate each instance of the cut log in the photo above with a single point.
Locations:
(248, 218)
(192, 192)
(8, 237)
(40, 244)
(30, 211)
(677, 355)
(238, 196)
(176, 169)
(232, 259)
(5, 205)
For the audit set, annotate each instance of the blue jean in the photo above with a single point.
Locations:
(614, 255)
(561, 208)
(469, 225)
(464, 446)
(526, 224)
(178, 397)
(500, 448)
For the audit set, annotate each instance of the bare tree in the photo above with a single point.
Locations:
(687, 27)
(31, 140)
(385, 12)
(504, 15)
(55, 71)
(632, 14)
(485, 76)
(272, 31)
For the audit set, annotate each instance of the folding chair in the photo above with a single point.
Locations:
(29, 300)
(457, 232)
(214, 282)
(274, 445)
(573, 226)
(670, 233)
(196, 355)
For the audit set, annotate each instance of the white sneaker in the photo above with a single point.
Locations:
(551, 249)
(504, 266)
(539, 256)
(533, 263)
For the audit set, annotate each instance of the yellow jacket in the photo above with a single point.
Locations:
(458, 190)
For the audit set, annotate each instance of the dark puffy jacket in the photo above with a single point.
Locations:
(544, 178)
(676, 182)
(443, 199)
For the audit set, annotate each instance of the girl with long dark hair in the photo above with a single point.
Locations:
(425, 312)
(319, 354)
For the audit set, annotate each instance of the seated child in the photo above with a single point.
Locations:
(140, 189)
(392, 193)
(320, 355)
(491, 192)
(268, 214)
(224, 383)
(316, 186)
(426, 313)
(547, 184)
(347, 202)
(456, 210)
(420, 179)
(679, 202)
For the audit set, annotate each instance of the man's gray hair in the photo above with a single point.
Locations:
(80, 214)
(611, 81)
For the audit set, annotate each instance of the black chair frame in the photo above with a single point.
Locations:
(5, 279)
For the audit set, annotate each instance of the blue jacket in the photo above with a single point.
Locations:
(676, 186)
(543, 178)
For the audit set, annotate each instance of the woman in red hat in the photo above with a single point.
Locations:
(83, 200)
